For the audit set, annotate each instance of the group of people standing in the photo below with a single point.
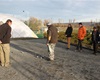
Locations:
(95, 37)
(52, 38)
(80, 36)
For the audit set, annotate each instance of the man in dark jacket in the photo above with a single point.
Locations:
(5, 34)
(52, 35)
(95, 37)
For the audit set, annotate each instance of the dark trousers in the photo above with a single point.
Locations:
(95, 46)
(79, 46)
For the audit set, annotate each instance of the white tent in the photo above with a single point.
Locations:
(19, 29)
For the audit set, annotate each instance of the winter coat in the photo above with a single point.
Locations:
(68, 32)
(53, 32)
(95, 36)
(81, 33)
(5, 33)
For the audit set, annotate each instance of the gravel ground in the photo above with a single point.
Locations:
(29, 61)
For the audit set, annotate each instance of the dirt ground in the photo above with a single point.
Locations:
(29, 61)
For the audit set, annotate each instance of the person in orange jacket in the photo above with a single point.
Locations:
(81, 35)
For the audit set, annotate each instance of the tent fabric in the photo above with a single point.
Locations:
(19, 29)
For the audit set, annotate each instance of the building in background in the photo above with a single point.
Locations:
(19, 29)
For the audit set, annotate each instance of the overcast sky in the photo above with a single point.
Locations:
(81, 10)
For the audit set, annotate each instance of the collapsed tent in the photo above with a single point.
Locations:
(19, 29)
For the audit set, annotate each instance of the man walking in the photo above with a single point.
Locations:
(52, 36)
(81, 35)
(5, 34)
